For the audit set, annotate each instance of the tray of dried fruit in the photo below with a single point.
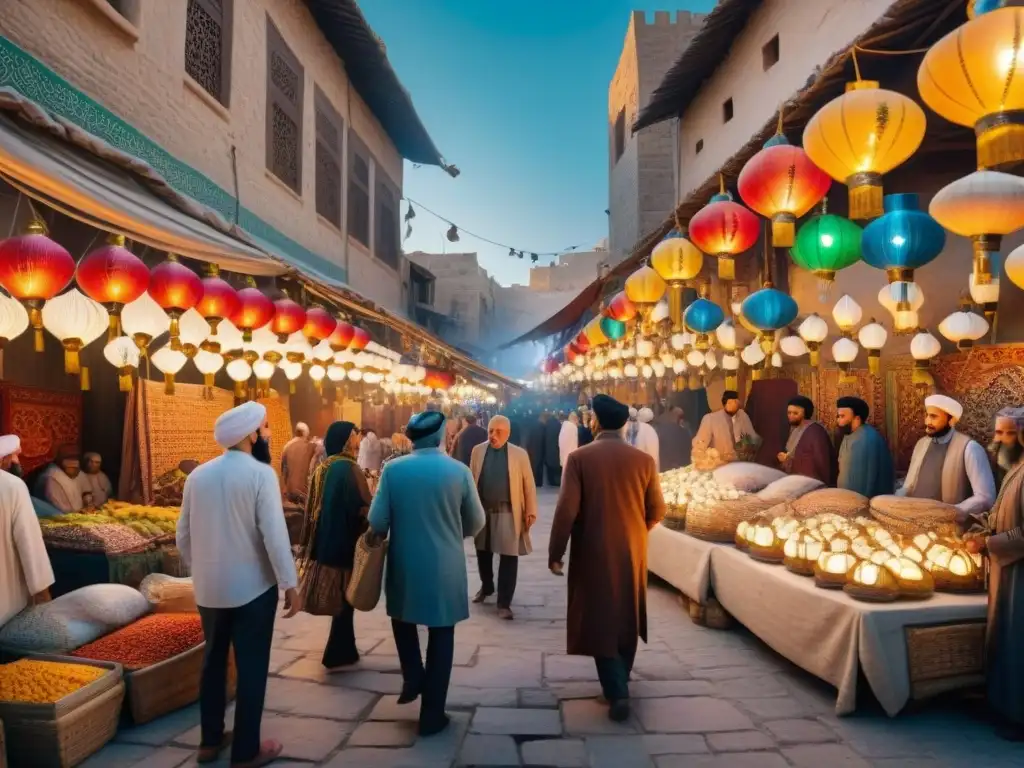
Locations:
(115, 528)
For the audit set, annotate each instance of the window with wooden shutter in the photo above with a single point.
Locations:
(329, 131)
(284, 111)
(358, 190)
(386, 246)
(208, 46)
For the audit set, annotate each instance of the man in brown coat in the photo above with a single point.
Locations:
(610, 499)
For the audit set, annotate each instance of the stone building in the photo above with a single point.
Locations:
(283, 116)
(572, 271)
(640, 178)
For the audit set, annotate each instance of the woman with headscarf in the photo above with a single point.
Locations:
(336, 509)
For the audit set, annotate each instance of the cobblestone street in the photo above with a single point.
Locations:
(701, 698)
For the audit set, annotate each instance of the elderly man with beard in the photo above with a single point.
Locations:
(809, 449)
(947, 465)
(1006, 449)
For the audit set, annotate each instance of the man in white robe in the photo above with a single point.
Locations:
(722, 429)
(646, 436)
(947, 465)
(25, 572)
(369, 451)
(61, 484)
(568, 438)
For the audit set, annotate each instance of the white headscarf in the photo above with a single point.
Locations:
(645, 416)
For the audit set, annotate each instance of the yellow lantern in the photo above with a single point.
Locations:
(974, 76)
(914, 581)
(766, 545)
(644, 288)
(593, 333)
(858, 137)
(831, 569)
(676, 260)
(801, 551)
(872, 583)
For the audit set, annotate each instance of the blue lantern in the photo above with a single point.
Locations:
(702, 317)
(769, 309)
(981, 7)
(905, 238)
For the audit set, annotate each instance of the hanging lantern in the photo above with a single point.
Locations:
(360, 339)
(219, 302)
(208, 363)
(192, 332)
(973, 77)
(113, 276)
(573, 355)
(703, 317)
(860, 136)
(768, 310)
(986, 295)
(239, 371)
(177, 289)
(292, 371)
(289, 318)
(813, 330)
(923, 347)
(593, 332)
(661, 313)
(612, 329)
(143, 320)
(847, 314)
(677, 260)
(731, 364)
(342, 335)
(754, 357)
(873, 337)
(77, 321)
(964, 327)
(320, 324)
(644, 288)
(782, 184)
(13, 319)
(724, 229)
(725, 333)
(438, 379)
(33, 269)
(902, 300)
(581, 342)
(620, 308)
(825, 245)
(254, 310)
(263, 370)
(904, 239)
(123, 354)
(169, 362)
(844, 352)
(793, 345)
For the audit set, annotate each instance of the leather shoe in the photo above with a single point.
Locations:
(619, 711)
(433, 725)
(506, 614)
(410, 692)
(482, 595)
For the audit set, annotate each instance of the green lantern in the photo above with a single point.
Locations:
(612, 328)
(826, 244)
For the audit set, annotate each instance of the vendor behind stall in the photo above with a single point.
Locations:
(721, 430)
(25, 572)
(95, 481)
(60, 483)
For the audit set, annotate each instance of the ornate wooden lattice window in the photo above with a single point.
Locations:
(386, 217)
(208, 46)
(358, 190)
(284, 111)
(329, 132)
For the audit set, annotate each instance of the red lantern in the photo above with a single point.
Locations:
(572, 353)
(360, 339)
(342, 336)
(438, 379)
(289, 318)
(620, 308)
(581, 342)
(113, 276)
(177, 289)
(549, 366)
(219, 299)
(254, 310)
(782, 184)
(724, 229)
(320, 324)
(34, 268)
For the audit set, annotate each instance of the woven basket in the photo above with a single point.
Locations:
(836, 501)
(719, 523)
(173, 565)
(154, 691)
(675, 518)
(898, 514)
(945, 657)
(950, 582)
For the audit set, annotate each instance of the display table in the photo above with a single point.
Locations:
(74, 570)
(830, 634)
(681, 560)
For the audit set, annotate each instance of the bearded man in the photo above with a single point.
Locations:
(722, 429)
(865, 464)
(947, 465)
(809, 450)
(1005, 449)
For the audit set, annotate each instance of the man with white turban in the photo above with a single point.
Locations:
(642, 435)
(25, 572)
(233, 535)
(1006, 449)
(947, 465)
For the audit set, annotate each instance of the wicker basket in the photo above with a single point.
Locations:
(836, 501)
(950, 582)
(64, 733)
(675, 518)
(719, 523)
(172, 564)
(910, 517)
(161, 688)
(945, 657)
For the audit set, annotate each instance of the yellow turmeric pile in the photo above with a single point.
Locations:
(44, 682)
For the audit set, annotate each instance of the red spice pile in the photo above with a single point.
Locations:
(148, 641)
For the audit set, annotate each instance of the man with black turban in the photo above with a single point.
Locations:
(865, 464)
(809, 449)
(608, 525)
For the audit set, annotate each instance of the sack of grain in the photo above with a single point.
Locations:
(747, 476)
(899, 514)
(74, 619)
(837, 501)
(168, 594)
(789, 488)
(718, 522)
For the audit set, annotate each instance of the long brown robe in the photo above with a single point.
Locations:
(295, 464)
(610, 499)
(813, 455)
(1005, 651)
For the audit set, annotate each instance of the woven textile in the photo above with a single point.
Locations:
(44, 420)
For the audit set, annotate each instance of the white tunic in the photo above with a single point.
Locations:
(24, 565)
(647, 441)
(568, 440)
(232, 531)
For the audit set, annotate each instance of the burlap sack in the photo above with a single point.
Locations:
(836, 501)
(899, 514)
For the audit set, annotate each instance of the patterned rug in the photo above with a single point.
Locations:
(43, 419)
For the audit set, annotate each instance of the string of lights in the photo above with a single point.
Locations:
(454, 231)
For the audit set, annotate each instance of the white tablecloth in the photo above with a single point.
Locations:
(681, 560)
(828, 633)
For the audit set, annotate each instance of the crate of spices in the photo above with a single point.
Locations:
(57, 711)
(162, 657)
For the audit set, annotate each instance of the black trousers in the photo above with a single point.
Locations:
(508, 571)
(554, 475)
(538, 472)
(341, 643)
(614, 671)
(431, 679)
(249, 629)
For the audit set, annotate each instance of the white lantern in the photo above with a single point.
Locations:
(263, 370)
(813, 330)
(695, 358)
(986, 295)
(793, 345)
(169, 362)
(13, 319)
(660, 311)
(144, 320)
(726, 335)
(659, 368)
(730, 363)
(647, 371)
(679, 366)
(847, 313)
(710, 361)
(873, 337)
(644, 348)
(903, 300)
(355, 374)
(845, 351)
(76, 321)
(924, 346)
(631, 371)
(963, 328)
(238, 371)
(207, 363)
(192, 331)
(776, 360)
(123, 354)
(752, 354)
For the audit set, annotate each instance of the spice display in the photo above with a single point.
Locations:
(94, 537)
(148, 641)
(44, 682)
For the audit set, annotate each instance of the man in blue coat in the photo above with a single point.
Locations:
(428, 502)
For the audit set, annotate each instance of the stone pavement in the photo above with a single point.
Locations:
(701, 698)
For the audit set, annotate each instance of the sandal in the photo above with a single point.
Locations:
(210, 754)
(270, 750)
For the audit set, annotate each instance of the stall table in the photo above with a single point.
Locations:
(833, 636)
(682, 560)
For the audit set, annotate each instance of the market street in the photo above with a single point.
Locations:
(701, 698)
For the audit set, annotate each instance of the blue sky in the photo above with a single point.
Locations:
(514, 93)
